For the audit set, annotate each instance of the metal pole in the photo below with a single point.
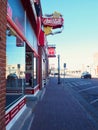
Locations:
(58, 69)
(64, 72)
(64, 69)
(22, 85)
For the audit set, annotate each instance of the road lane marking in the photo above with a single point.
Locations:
(94, 101)
(69, 85)
(87, 89)
(75, 84)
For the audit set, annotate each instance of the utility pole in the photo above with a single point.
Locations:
(58, 69)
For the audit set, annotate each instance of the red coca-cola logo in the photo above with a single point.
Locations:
(52, 21)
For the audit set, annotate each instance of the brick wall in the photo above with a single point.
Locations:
(3, 8)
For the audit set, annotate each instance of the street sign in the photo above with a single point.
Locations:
(64, 65)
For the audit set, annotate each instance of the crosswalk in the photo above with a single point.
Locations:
(77, 83)
(84, 90)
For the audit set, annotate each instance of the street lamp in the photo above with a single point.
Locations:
(58, 69)
(64, 69)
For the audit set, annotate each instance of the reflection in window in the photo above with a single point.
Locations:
(35, 71)
(43, 68)
(31, 68)
(15, 70)
(30, 35)
(17, 13)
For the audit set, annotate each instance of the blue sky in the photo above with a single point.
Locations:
(79, 40)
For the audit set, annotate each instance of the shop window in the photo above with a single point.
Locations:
(30, 35)
(31, 68)
(16, 11)
(35, 71)
(15, 69)
(21, 65)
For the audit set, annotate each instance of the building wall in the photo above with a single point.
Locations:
(3, 57)
(3, 9)
(96, 64)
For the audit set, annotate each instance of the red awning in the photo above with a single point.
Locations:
(38, 27)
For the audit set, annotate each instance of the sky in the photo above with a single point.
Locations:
(78, 42)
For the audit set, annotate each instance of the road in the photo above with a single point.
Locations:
(86, 92)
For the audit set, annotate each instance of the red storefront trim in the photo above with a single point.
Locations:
(14, 26)
(11, 114)
(32, 90)
(41, 38)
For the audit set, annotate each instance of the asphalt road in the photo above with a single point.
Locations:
(86, 92)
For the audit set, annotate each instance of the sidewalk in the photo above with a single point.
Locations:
(25, 119)
(59, 110)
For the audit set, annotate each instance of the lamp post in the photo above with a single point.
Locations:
(58, 69)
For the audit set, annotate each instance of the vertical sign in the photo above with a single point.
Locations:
(64, 65)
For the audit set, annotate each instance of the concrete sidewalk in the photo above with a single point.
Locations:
(25, 119)
(58, 109)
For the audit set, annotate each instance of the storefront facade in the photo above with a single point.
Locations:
(3, 7)
(25, 62)
(23, 57)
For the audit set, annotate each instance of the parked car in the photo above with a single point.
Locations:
(86, 75)
(12, 76)
(55, 73)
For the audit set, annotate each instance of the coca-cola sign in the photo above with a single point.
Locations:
(52, 21)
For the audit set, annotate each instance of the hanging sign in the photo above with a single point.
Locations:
(47, 30)
(52, 22)
(51, 52)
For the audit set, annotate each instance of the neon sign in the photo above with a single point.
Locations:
(52, 21)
